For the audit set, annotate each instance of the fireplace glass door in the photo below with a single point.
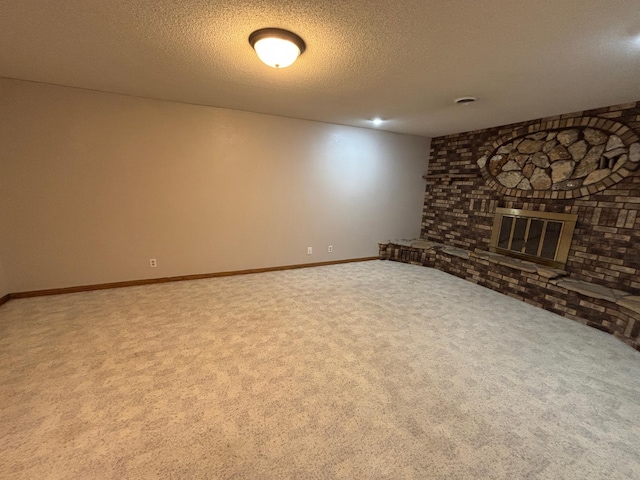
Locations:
(542, 237)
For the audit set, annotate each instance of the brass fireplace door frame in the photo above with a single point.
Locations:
(567, 220)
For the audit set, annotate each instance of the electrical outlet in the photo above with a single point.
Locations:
(153, 263)
(309, 250)
(330, 249)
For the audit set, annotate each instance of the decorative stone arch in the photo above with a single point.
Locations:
(560, 159)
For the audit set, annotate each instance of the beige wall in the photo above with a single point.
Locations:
(4, 281)
(4, 278)
(95, 184)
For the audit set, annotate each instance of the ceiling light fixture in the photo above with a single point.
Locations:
(465, 100)
(276, 47)
(377, 121)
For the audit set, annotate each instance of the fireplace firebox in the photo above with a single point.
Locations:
(541, 237)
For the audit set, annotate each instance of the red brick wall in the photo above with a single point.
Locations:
(459, 211)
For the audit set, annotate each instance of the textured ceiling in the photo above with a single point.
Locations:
(403, 60)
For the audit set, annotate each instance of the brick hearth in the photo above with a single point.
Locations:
(460, 205)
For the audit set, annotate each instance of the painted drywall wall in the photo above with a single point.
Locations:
(96, 184)
(5, 287)
(4, 281)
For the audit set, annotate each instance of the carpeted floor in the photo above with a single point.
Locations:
(372, 370)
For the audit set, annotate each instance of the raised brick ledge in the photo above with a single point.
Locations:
(613, 311)
(523, 265)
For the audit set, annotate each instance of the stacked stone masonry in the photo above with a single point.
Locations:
(573, 161)
(460, 203)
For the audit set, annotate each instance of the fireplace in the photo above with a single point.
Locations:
(541, 237)
(585, 166)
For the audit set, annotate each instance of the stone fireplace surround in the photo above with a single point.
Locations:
(600, 284)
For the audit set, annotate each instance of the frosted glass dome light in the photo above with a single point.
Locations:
(275, 47)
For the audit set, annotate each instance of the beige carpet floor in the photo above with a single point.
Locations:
(372, 370)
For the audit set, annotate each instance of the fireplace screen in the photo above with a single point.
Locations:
(541, 237)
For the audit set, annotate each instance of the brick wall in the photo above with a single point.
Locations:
(459, 206)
